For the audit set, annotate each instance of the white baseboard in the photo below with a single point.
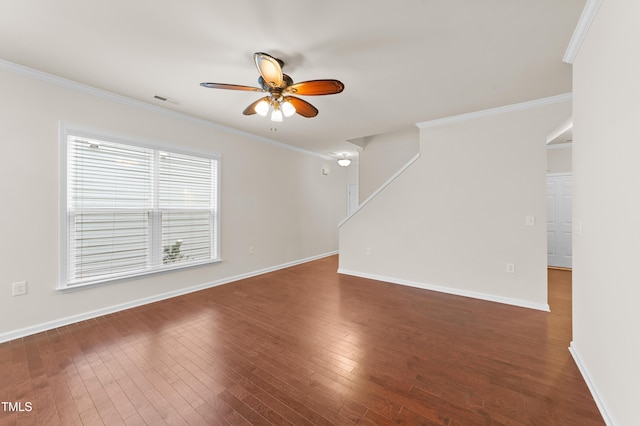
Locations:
(449, 290)
(592, 388)
(50, 325)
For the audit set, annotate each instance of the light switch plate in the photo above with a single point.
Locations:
(19, 288)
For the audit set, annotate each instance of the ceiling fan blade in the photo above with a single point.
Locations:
(270, 69)
(231, 87)
(302, 107)
(316, 87)
(251, 109)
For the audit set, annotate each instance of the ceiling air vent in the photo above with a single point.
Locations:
(165, 99)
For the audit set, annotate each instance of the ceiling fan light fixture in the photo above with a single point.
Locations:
(276, 115)
(288, 109)
(262, 108)
(270, 69)
(280, 88)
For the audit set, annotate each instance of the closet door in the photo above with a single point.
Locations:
(559, 225)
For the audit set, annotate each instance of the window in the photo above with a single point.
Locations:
(131, 209)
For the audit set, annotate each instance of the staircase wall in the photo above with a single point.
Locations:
(457, 216)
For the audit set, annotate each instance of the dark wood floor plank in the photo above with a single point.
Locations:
(305, 346)
(279, 407)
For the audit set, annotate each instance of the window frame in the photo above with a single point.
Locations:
(155, 212)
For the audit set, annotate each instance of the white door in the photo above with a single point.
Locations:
(559, 193)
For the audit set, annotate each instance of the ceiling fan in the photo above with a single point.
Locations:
(281, 88)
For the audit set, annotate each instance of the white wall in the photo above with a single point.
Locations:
(456, 217)
(382, 156)
(272, 198)
(559, 159)
(606, 164)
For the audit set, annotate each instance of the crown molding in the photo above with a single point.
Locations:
(496, 111)
(104, 94)
(582, 28)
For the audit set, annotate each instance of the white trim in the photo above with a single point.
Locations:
(582, 28)
(560, 145)
(450, 290)
(608, 419)
(84, 285)
(83, 88)
(77, 129)
(153, 267)
(568, 124)
(496, 111)
(560, 174)
(380, 188)
(50, 325)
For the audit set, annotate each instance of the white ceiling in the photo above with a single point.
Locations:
(402, 62)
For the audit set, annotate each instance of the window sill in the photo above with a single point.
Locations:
(122, 278)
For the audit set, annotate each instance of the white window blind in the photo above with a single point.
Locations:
(185, 188)
(133, 210)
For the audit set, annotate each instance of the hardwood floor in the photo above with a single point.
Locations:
(304, 346)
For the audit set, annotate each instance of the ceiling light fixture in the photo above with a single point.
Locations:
(262, 108)
(287, 108)
(280, 90)
(344, 161)
(281, 108)
(276, 115)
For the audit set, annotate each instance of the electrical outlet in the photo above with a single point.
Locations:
(19, 288)
(511, 268)
(368, 251)
(251, 250)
